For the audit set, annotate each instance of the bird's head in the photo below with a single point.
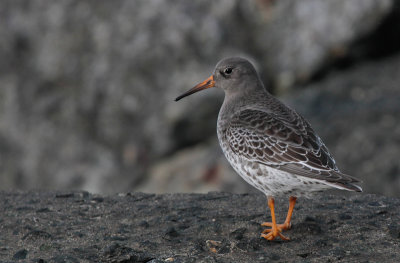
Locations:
(230, 74)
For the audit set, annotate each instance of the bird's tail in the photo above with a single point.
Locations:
(345, 186)
(346, 182)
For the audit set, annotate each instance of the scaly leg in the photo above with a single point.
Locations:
(286, 225)
(278, 227)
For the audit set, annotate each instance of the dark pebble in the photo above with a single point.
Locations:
(307, 228)
(310, 219)
(66, 195)
(36, 234)
(172, 232)
(238, 233)
(274, 256)
(256, 243)
(20, 254)
(43, 210)
(24, 208)
(183, 226)
(331, 222)
(64, 259)
(345, 217)
(243, 245)
(144, 224)
(321, 243)
(120, 253)
(394, 231)
(303, 255)
(171, 218)
(217, 227)
(116, 238)
(374, 203)
(219, 247)
(338, 252)
(78, 234)
(98, 199)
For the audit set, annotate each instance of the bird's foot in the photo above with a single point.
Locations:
(273, 234)
(275, 231)
(281, 227)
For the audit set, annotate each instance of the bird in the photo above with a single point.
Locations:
(270, 145)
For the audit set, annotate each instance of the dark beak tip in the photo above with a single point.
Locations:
(208, 83)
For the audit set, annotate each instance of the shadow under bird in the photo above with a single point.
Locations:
(272, 147)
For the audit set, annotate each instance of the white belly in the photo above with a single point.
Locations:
(271, 181)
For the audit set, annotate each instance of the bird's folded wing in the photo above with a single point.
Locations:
(286, 142)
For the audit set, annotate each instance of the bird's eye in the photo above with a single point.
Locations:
(228, 71)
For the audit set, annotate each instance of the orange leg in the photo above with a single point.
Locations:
(276, 229)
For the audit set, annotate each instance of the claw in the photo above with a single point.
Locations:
(281, 227)
(271, 236)
(266, 230)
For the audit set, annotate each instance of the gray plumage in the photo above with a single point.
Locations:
(270, 145)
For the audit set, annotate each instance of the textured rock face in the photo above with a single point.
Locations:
(87, 88)
(313, 33)
(214, 227)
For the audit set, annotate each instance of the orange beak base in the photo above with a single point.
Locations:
(208, 83)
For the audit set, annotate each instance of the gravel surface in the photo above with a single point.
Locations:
(213, 227)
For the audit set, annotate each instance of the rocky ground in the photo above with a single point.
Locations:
(213, 227)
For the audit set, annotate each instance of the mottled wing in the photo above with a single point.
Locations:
(285, 142)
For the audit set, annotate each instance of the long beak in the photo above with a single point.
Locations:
(208, 83)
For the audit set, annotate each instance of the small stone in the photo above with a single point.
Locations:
(172, 232)
(238, 233)
(20, 254)
(43, 210)
(213, 245)
(120, 253)
(65, 195)
(345, 217)
(382, 212)
(303, 255)
(36, 234)
(97, 199)
(374, 203)
(64, 259)
(310, 219)
(308, 228)
(220, 247)
(394, 231)
(331, 222)
(274, 256)
(144, 224)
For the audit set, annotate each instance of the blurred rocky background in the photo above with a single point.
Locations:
(87, 88)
